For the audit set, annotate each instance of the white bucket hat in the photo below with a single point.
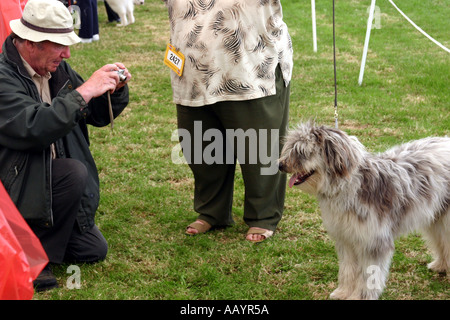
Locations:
(45, 20)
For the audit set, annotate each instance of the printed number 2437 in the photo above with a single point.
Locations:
(176, 61)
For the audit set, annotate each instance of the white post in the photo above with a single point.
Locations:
(366, 43)
(313, 15)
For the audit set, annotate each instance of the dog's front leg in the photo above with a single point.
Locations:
(348, 266)
(373, 272)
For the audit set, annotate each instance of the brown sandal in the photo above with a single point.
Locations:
(200, 225)
(264, 232)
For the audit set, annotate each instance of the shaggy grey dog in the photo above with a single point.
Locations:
(368, 200)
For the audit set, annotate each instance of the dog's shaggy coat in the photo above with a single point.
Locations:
(368, 200)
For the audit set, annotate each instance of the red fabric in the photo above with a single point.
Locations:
(9, 10)
(22, 257)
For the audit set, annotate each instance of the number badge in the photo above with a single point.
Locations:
(174, 59)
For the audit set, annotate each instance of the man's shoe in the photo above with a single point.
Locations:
(86, 40)
(45, 280)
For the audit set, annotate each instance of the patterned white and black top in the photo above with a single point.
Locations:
(232, 48)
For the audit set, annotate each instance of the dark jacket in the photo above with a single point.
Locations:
(28, 126)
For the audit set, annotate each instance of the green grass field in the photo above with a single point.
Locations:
(147, 200)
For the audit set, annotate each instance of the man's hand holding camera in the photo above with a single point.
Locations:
(110, 77)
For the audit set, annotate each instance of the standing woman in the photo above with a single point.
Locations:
(89, 30)
(236, 75)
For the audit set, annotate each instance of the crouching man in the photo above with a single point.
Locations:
(45, 162)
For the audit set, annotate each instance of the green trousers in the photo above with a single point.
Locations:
(212, 137)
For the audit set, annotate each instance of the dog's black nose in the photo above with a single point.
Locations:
(280, 166)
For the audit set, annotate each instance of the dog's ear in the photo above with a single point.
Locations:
(338, 153)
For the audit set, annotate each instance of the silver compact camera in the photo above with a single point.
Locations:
(122, 76)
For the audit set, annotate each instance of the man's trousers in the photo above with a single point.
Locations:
(63, 242)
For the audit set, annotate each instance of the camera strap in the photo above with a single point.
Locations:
(111, 116)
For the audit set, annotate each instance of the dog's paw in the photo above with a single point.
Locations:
(338, 294)
(438, 266)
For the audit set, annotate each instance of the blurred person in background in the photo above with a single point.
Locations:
(89, 29)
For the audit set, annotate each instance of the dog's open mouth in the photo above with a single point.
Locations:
(299, 178)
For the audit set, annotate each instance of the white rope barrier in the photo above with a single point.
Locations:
(418, 28)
